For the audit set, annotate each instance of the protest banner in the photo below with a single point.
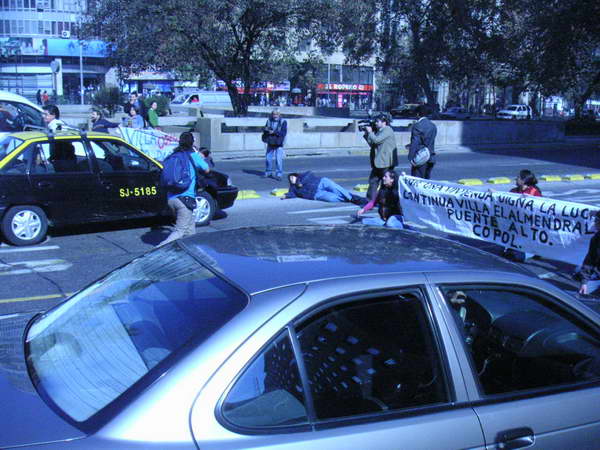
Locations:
(154, 143)
(543, 226)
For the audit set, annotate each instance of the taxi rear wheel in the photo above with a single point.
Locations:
(24, 225)
(205, 208)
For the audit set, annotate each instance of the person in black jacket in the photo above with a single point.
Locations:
(311, 187)
(99, 123)
(422, 134)
(590, 269)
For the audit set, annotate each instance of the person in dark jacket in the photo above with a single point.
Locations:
(422, 134)
(274, 134)
(311, 187)
(387, 200)
(99, 123)
(590, 269)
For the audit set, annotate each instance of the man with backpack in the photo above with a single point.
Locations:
(179, 179)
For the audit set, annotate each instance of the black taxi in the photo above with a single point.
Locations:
(74, 178)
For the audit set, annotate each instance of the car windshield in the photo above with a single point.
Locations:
(512, 108)
(8, 144)
(179, 99)
(94, 347)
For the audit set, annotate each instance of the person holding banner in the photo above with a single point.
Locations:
(388, 201)
(527, 184)
(422, 136)
(590, 269)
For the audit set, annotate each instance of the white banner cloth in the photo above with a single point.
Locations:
(550, 228)
(154, 143)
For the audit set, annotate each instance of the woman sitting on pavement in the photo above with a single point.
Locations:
(388, 201)
(589, 275)
(311, 187)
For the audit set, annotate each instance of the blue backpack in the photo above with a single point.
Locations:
(176, 174)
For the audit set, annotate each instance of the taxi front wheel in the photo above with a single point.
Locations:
(24, 225)
(205, 208)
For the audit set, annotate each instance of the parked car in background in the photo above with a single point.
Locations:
(18, 114)
(515, 112)
(456, 113)
(70, 178)
(407, 110)
(306, 337)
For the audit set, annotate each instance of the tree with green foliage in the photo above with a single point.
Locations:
(108, 98)
(234, 39)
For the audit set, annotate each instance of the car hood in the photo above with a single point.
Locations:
(26, 419)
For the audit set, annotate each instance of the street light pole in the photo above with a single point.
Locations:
(81, 70)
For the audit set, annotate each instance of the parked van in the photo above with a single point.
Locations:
(18, 114)
(203, 99)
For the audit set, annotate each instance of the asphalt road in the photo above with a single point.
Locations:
(35, 278)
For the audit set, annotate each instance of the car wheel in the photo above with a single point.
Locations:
(25, 225)
(205, 208)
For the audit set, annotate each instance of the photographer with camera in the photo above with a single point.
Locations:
(383, 153)
(274, 135)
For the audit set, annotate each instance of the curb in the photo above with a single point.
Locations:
(278, 192)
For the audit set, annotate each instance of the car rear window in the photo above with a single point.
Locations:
(91, 349)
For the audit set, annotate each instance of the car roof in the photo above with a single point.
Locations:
(35, 134)
(9, 96)
(262, 258)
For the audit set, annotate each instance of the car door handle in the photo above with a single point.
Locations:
(45, 184)
(516, 438)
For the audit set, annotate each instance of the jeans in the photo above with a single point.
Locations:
(396, 221)
(184, 221)
(274, 154)
(330, 191)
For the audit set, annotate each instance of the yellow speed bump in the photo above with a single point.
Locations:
(593, 176)
(470, 181)
(361, 187)
(551, 178)
(247, 194)
(279, 192)
(573, 178)
(499, 180)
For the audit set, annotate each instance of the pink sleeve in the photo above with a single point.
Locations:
(369, 206)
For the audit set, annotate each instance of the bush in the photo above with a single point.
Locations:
(164, 104)
(108, 98)
(582, 126)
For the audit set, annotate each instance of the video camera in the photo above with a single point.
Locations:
(364, 123)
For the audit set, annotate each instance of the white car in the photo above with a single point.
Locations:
(18, 114)
(515, 112)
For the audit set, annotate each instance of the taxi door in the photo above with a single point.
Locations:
(62, 181)
(130, 182)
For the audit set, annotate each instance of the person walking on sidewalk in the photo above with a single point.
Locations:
(182, 204)
(274, 136)
(383, 153)
(311, 187)
(422, 135)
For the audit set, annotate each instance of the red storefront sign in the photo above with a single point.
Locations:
(344, 87)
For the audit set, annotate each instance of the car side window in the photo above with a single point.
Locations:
(520, 339)
(117, 157)
(41, 158)
(269, 392)
(18, 164)
(372, 356)
(64, 156)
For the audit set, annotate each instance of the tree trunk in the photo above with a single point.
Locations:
(240, 108)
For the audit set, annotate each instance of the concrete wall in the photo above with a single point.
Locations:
(244, 134)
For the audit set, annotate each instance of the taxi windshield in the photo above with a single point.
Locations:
(91, 349)
(8, 144)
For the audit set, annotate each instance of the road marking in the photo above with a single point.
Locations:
(335, 208)
(29, 249)
(333, 220)
(34, 298)
(40, 265)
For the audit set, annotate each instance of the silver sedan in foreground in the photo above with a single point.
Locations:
(337, 337)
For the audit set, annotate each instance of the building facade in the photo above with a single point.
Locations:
(39, 49)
